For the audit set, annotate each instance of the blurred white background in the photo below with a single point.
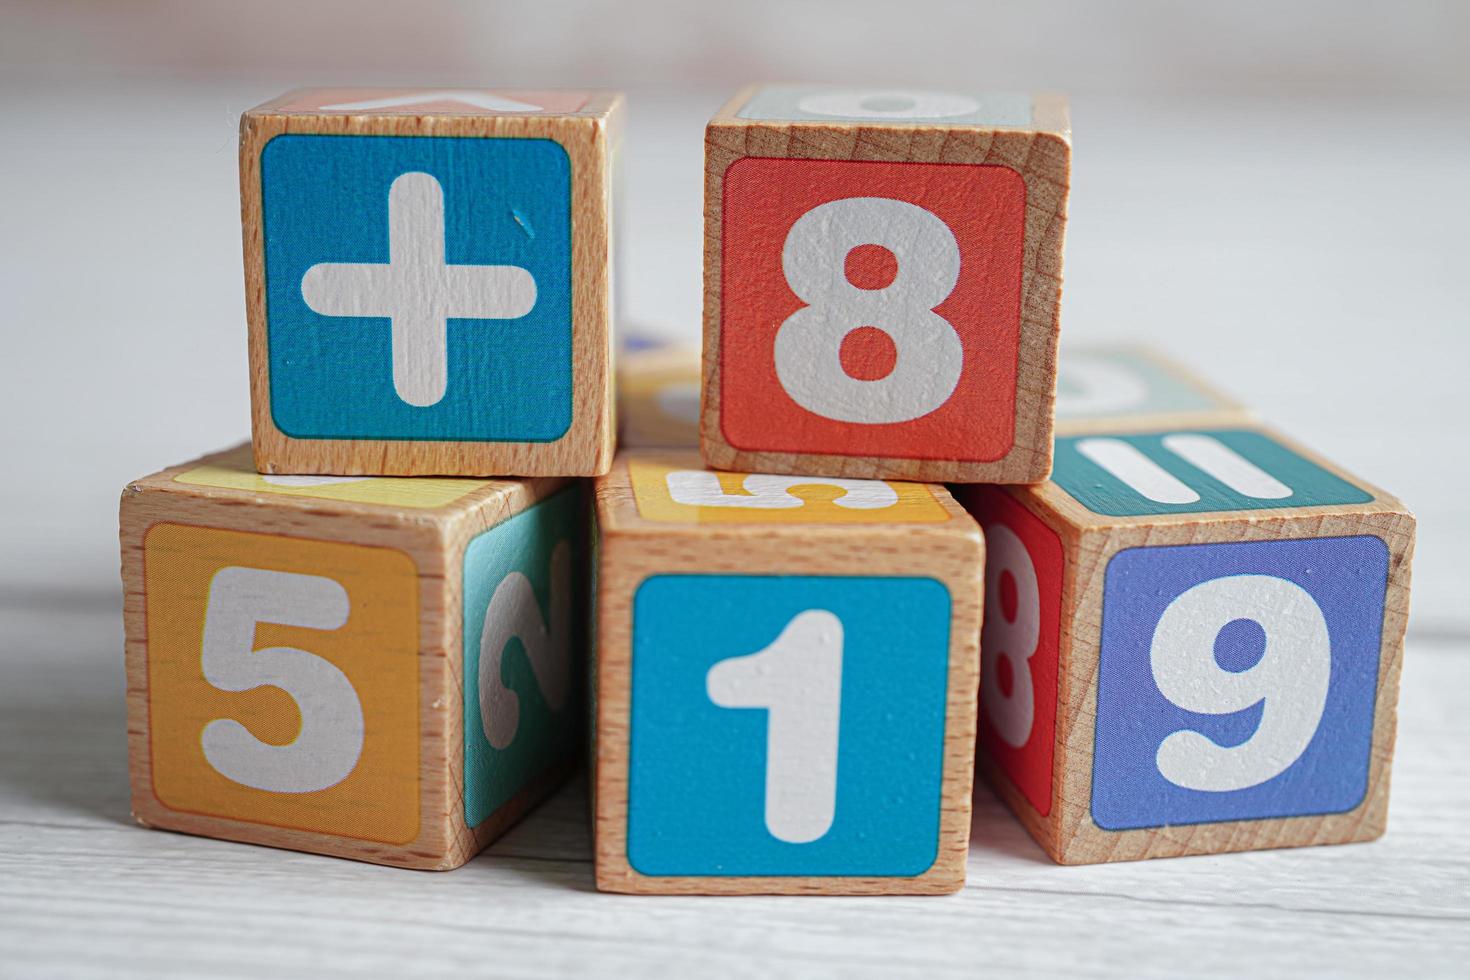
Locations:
(1273, 192)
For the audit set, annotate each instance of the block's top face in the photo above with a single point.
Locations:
(229, 476)
(1148, 476)
(1097, 385)
(868, 106)
(673, 491)
(432, 102)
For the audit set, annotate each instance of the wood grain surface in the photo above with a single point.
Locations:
(435, 540)
(589, 137)
(1040, 153)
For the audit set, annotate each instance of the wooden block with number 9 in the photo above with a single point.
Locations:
(1192, 645)
(882, 283)
(785, 682)
(383, 669)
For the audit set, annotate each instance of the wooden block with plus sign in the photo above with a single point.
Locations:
(658, 397)
(1104, 388)
(383, 669)
(427, 281)
(785, 682)
(1192, 645)
(883, 276)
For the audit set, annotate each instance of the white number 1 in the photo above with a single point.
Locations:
(798, 680)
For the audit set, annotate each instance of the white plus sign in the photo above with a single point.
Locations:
(417, 290)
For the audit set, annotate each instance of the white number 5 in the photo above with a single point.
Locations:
(331, 736)
(1291, 678)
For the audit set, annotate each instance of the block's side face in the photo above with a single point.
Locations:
(1122, 388)
(815, 231)
(803, 724)
(1020, 651)
(428, 294)
(658, 398)
(277, 692)
(1152, 475)
(523, 655)
(1242, 686)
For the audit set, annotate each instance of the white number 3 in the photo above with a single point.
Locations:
(1291, 678)
(330, 743)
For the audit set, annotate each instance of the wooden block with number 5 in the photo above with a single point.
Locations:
(883, 275)
(1192, 645)
(785, 682)
(374, 668)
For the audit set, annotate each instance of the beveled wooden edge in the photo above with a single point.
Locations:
(1226, 413)
(586, 448)
(618, 509)
(1068, 834)
(166, 481)
(434, 539)
(1042, 159)
(627, 558)
(1067, 508)
(1050, 113)
(600, 103)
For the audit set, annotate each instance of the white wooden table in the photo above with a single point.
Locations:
(1309, 258)
(85, 892)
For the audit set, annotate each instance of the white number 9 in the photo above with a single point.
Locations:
(1291, 678)
(1013, 640)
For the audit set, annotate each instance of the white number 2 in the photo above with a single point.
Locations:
(513, 612)
(330, 742)
(808, 349)
(1011, 639)
(798, 680)
(701, 488)
(1291, 678)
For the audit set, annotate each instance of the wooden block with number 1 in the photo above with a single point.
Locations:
(427, 281)
(785, 682)
(1192, 645)
(883, 276)
(374, 668)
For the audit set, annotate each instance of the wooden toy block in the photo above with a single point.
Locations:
(785, 682)
(1129, 387)
(658, 397)
(374, 668)
(883, 276)
(427, 281)
(1192, 646)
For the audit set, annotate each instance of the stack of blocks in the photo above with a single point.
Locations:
(1155, 626)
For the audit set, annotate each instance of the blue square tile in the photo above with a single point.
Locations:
(418, 287)
(1237, 681)
(787, 725)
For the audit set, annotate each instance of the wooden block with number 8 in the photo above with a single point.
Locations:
(882, 283)
(374, 668)
(785, 682)
(1192, 645)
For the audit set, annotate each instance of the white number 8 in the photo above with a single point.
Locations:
(1291, 678)
(809, 342)
(1014, 640)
